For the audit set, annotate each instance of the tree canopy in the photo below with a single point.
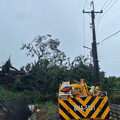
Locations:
(41, 78)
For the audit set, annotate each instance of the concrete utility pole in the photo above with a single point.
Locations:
(94, 46)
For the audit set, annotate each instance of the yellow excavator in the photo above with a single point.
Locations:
(81, 102)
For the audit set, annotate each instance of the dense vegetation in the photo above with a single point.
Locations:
(52, 67)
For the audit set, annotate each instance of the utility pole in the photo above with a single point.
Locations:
(94, 46)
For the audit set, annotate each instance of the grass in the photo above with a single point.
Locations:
(47, 111)
(6, 95)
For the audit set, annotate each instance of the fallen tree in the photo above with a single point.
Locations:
(8, 75)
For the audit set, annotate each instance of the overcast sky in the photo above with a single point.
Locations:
(22, 20)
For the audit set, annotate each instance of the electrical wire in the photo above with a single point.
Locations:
(102, 8)
(98, 24)
(84, 28)
(107, 10)
(107, 5)
(104, 4)
(89, 42)
(100, 16)
(85, 4)
(84, 31)
(108, 37)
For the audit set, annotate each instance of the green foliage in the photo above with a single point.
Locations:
(110, 83)
(8, 95)
(17, 85)
(117, 85)
(51, 68)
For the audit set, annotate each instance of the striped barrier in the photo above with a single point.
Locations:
(84, 108)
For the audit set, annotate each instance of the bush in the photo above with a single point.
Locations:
(17, 85)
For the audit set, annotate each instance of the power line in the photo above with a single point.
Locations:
(109, 37)
(98, 23)
(84, 31)
(100, 15)
(104, 4)
(89, 39)
(108, 9)
(84, 26)
(102, 8)
(107, 4)
(85, 4)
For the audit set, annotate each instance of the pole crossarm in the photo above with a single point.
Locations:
(92, 11)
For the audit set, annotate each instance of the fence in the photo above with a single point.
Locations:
(115, 111)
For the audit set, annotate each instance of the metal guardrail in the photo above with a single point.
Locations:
(115, 111)
(33, 117)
